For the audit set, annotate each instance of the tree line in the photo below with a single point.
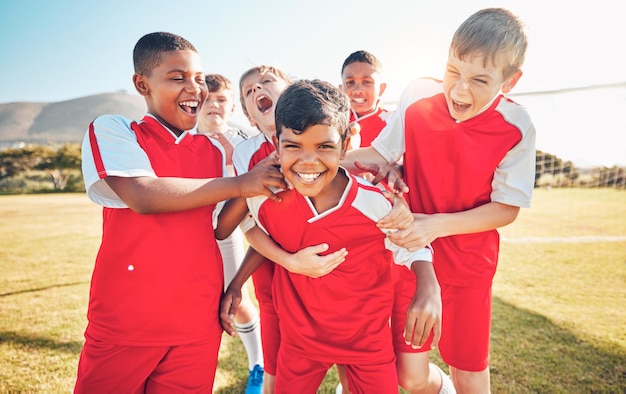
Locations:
(41, 165)
(57, 168)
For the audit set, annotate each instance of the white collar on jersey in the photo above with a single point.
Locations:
(177, 138)
(358, 119)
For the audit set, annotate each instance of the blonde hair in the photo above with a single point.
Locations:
(259, 70)
(217, 82)
(495, 33)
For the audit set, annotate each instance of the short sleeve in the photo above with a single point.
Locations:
(390, 141)
(110, 148)
(252, 219)
(402, 256)
(514, 178)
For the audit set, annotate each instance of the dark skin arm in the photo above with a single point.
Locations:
(146, 195)
(305, 262)
(231, 215)
(234, 210)
(424, 312)
(232, 296)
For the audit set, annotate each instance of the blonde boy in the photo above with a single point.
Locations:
(469, 163)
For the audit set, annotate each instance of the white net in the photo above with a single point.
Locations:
(551, 171)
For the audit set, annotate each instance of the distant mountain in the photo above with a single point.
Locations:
(64, 121)
(585, 125)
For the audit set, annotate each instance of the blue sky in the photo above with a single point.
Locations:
(60, 50)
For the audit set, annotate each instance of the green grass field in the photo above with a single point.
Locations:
(559, 319)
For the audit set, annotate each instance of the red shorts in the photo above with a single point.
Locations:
(270, 332)
(302, 375)
(404, 289)
(466, 326)
(106, 368)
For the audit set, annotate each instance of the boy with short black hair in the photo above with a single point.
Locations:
(362, 80)
(342, 317)
(260, 88)
(158, 277)
(469, 162)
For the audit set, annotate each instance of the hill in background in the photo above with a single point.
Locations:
(64, 121)
(583, 125)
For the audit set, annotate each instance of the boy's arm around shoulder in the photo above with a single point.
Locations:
(306, 261)
(154, 195)
(118, 173)
(424, 312)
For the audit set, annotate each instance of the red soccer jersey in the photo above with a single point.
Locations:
(452, 166)
(342, 317)
(251, 151)
(245, 156)
(371, 124)
(158, 278)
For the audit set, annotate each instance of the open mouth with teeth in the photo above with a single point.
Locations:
(308, 177)
(190, 107)
(460, 107)
(264, 104)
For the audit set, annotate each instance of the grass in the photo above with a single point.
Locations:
(559, 318)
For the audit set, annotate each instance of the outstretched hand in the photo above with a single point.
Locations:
(263, 179)
(308, 262)
(391, 173)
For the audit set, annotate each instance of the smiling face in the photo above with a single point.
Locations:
(260, 92)
(471, 84)
(362, 83)
(310, 160)
(217, 109)
(175, 89)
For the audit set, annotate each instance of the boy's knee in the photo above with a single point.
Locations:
(413, 371)
(412, 382)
